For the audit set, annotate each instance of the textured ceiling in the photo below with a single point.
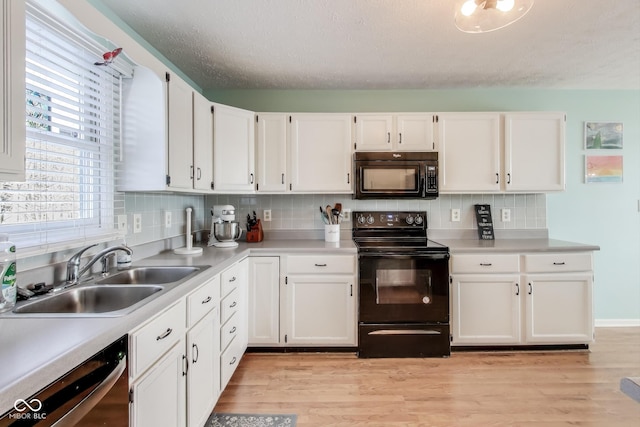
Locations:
(385, 44)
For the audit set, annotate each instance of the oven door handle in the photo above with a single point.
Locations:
(434, 256)
(76, 413)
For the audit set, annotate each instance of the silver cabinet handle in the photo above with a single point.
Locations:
(251, 178)
(400, 141)
(388, 137)
(558, 263)
(233, 305)
(164, 334)
(191, 171)
(509, 178)
(282, 182)
(206, 300)
(233, 279)
(233, 330)
(185, 365)
(320, 265)
(530, 289)
(486, 264)
(517, 289)
(497, 178)
(233, 361)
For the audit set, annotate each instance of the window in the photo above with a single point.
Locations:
(72, 122)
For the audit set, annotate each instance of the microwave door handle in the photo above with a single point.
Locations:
(76, 413)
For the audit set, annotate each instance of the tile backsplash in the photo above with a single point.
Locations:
(301, 211)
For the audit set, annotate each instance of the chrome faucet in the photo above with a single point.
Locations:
(74, 272)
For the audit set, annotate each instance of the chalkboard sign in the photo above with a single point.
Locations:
(485, 223)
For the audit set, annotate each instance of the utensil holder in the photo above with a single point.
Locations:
(332, 232)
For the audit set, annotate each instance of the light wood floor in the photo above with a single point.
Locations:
(467, 389)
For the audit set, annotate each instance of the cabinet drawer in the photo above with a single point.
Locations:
(229, 280)
(202, 300)
(485, 263)
(152, 340)
(332, 264)
(558, 261)
(228, 331)
(229, 361)
(229, 305)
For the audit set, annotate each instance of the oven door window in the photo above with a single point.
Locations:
(403, 289)
(376, 179)
(403, 286)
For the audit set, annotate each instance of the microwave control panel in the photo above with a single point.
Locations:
(432, 179)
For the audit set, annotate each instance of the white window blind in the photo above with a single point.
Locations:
(73, 131)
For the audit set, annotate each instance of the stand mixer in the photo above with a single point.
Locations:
(225, 230)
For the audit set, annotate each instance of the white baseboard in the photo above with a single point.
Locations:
(616, 323)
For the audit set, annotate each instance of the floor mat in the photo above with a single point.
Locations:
(251, 420)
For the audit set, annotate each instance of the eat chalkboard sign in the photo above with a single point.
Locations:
(485, 223)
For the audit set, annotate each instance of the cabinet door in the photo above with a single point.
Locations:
(485, 309)
(202, 142)
(264, 301)
(414, 132)
(374, 132)
(469, 147)
(321, 153)
(272, 152)
(233, 147)
(159, 395)
(12, 90)
(203, 379)
(559, 308)
(534, 151)
(180, 131)
(320, 310)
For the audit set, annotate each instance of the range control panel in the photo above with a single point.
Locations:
(363, 220)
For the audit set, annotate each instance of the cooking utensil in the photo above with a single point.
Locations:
(324, 216)
(336, 215)
(329, 214)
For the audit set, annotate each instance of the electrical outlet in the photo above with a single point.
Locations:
(506, 215)
(346, 215)
(455, 215)
(137, 223)
(122, 222)
(167, 219)
(266, 215)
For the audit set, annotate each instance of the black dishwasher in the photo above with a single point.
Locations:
(95, 393)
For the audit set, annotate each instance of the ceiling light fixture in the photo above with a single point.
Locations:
(481, 16)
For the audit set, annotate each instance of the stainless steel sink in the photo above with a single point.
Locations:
(149, 275)
(91, 299)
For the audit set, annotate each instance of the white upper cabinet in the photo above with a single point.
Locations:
(202, 143)
(180, 131)
(12, 90)
(501, 152)
(272, 153)
(469, 152)
(321, 153)
(534, 151)
(394, 132)
(233, 149)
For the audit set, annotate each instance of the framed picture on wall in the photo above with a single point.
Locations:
(602, 169)
(602, 135)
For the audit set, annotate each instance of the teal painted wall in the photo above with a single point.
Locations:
(603, 214)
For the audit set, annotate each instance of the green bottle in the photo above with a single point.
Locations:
(8, 273)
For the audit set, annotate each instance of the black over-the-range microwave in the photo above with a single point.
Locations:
(396, 175)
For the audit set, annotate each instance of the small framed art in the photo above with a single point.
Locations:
(602, 169)
(602, 135)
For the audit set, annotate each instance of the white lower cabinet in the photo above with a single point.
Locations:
(485, 309)
(522, 299)
(319, 305)
(175, 362)
(203, 380)
(264, 301)
(233, 319)
(158, 397)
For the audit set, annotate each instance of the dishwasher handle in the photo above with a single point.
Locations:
(76, 413)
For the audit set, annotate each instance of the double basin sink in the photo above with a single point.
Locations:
(114, 295)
